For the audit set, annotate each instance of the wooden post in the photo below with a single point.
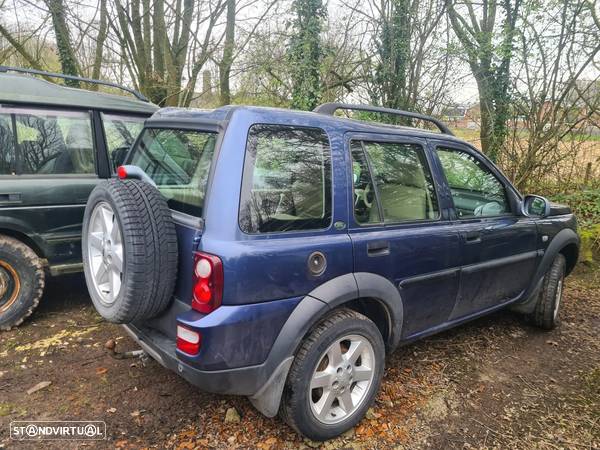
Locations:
(588, 173)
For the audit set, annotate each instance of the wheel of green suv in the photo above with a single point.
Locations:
(21, 282)
(547, 309)
(335, 376)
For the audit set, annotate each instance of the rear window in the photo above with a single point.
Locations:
(179, 162)
(287, 180)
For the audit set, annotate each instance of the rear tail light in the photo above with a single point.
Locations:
(208, 282)
(188, 340)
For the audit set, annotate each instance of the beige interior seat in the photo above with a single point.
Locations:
(406, 197)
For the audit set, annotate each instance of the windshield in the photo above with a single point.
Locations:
(179, 162)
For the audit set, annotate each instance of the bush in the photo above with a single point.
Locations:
(586, 205)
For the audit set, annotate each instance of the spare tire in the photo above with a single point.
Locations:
(129, 250)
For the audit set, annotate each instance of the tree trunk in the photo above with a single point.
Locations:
(100, 40)
(227, 61)
(306, 53)
(66, 54)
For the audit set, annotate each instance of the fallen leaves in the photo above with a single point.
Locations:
(59, 339)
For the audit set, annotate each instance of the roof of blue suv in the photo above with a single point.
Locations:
(25, 89)
(191, 116)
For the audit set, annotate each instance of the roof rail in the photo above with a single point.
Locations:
(133, 92)
(331, 108)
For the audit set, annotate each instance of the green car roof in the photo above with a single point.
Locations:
(30, 90)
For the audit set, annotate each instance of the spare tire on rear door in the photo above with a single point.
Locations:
(129, 250)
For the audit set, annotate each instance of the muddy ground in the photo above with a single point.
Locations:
(495, 383)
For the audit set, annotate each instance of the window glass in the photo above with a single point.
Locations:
(366, 209)
(403, 181)
(121, 132)
(287, 180)
(179, 163)
(7, 146)
(475, 190)
(53, 142)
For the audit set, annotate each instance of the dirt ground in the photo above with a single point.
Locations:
(494, 383)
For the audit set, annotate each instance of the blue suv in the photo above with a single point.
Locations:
(281, 254)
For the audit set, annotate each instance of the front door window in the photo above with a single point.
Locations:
(475, 190)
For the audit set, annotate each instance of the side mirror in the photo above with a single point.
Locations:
(535, 206)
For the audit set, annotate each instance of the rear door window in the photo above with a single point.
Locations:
(179, 162)
(396, 176)
(7, 146)
(121, 132)
(286, 183)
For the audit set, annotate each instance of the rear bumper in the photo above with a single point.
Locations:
(240, 381)
(246, 379)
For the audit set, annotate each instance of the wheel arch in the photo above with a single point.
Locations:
(24, 237)
(367, 293)
(571, 253)
(566, 242)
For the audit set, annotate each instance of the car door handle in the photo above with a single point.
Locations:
(378, 248)
(10, 198)
(472, 237)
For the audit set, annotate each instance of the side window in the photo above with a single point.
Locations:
(121, 132)
(475, 190)
(7, 146)
(403, 181)
(55, 142)
(366, 209)
(286, 183)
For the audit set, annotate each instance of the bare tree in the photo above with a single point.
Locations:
(409, 54)
(100, 41)
(486, 31)
(554, 107)
(227, 59)
(160, 40)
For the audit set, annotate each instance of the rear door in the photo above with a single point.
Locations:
(398, 229)
(498, 245)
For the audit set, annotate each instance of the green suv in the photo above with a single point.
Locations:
(56, 144)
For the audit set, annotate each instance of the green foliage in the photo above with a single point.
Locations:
(306, 53)
(585, 204)
(393, 47)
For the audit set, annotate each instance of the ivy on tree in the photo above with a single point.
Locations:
(306, 53)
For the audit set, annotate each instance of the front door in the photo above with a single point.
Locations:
(498, 245)
(398, 231)
(47, 172)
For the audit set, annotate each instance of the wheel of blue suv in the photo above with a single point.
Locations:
(547, 309)
(129, 248)
(335, 376)
(21, 282)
